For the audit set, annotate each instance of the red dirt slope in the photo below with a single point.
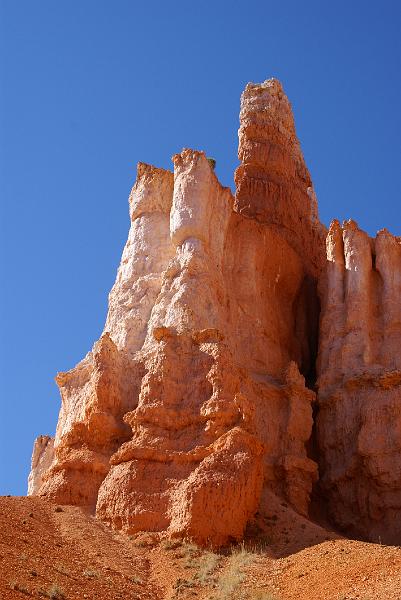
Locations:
(66, 554)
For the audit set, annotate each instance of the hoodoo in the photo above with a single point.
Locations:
(231, 318)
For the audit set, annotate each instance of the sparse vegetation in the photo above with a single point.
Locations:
(144, 540)
(203, 563)
(189, 551)
(171, 544)
(54, 592)
(89, 573)
(62, 569)
(182, 584)
(228, 585)
(19, 588)
(232, 577)
(260, 595)
(207, 565)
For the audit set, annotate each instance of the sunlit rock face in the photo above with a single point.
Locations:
(42, 458)
(199, 393)
(273, 184)
(359, 420)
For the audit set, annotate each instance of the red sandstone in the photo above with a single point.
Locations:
(197, 400)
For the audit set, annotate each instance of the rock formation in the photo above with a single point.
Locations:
(200, 392)
(359, 421)
(42, 458)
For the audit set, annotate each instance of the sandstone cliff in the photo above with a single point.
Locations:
(199, 394)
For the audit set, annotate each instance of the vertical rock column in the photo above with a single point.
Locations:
(273, 182)
(359, 297)
(359, 419)
(332, 291)
(144, 259)
(193, 287)
(388, 264)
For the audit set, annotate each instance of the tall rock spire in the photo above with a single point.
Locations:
(273, 182)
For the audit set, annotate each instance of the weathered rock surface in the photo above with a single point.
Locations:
(198, 395)
(359, 421)
(273, 183)
(42, 458)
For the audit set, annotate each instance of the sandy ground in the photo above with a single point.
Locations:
(64, 553)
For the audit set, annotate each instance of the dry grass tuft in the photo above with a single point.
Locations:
(14, 585)
(144, 539)
(89, 573)
(228, 584)
(260, 595)
(54, 592)
(206, 567)
(171, 544)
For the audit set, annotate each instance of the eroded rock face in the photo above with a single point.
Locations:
(95, 396)
(273, 183)
(359, 421)
(209, 429)
(42, 458)
(198, 395)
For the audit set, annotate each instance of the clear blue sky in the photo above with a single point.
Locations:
(90, 87)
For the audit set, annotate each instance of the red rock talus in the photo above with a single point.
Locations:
(359, 420)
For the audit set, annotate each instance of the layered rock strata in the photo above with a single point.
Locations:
(273, 184)
(199, 394)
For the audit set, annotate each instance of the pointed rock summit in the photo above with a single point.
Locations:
(233, 324)
(273, 184)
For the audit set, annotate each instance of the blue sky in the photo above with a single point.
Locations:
(89, 88)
